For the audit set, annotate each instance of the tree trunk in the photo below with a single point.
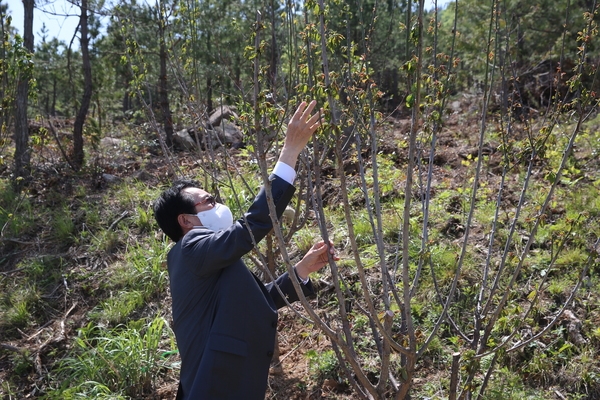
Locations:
(22, 151)
(209, 91)
(78, 154)
(54, 94)
(274, 53)
(163, 87)
(126, 103)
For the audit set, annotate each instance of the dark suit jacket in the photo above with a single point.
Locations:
(224, 318)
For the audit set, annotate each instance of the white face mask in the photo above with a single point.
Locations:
(217, 218)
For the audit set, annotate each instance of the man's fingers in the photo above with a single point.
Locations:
(299, 111)
(308, 110)
(315, 121)
(303, 111)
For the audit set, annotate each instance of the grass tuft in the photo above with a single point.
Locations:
(113, 363)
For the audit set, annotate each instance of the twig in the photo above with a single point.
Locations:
(10, 347)
(328, 285)
(39, 330)
(50, 296)
(61, 335)
(17, 241)
(37, 361)
(12, 271)
(60, 147)
(56, 339)
(124, 214)
(290, 352)
(559, 394)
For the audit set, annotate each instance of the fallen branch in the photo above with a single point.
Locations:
(12, 271)
(559, 394)
(35, 353)
(47, 324)
(17, 241)
(289, 353)
(124, 214)
(60, 147)
(12, 348)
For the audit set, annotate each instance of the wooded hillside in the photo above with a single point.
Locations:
(457, 171)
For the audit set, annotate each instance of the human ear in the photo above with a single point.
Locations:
(183, 221)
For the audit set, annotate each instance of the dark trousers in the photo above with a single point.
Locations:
(179, 393)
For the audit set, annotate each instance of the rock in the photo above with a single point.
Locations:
(574, 326)
(453, 228)
(331, 384)
(110, 142)
(142, 176)
(455, 106)
(288, 215)
(108, 178)
(211, 139)
(276, 370)
(229, 134)
(183, 139)
(221, 113)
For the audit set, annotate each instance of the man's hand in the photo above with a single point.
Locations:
(299, 130)
(315, 259)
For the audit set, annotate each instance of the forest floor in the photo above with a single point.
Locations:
(40, 342)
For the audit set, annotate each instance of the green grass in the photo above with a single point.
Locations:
(106, 241)
(363, 230)
(508, 385)
(33, 291)
(140, 278)
(304, 239)
(122, 362)
(63, 226)
(118, 307)
(323, 365)
(144, 219)
(16, 212)
(17, 308)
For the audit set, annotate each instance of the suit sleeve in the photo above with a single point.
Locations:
(216, 250)
(287, 288)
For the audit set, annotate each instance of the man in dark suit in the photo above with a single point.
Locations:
(224, 317)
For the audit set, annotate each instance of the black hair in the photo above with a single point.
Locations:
(172, 203)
